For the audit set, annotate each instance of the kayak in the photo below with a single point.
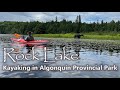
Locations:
(15, 45)
(35, 42)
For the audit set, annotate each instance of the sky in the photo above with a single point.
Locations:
(48, 16)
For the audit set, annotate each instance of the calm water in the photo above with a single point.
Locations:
(91, 52)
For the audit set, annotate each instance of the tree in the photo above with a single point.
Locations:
(56, 20)
(56, 26)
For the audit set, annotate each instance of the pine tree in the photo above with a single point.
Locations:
(76, 19)
(56, 20)
(79, 19)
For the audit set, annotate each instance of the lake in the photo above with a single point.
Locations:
(88, 51)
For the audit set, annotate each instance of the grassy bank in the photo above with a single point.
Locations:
(55, 35)
(92, 35)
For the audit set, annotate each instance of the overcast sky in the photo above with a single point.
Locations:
(48, 16)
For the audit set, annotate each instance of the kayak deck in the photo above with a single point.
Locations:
(35, 42)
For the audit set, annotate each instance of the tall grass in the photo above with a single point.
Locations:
(102, 37)
(68, 35)
(91, 35)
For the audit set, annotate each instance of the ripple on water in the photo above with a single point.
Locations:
(88, 54)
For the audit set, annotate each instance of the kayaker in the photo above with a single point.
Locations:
(29, 37)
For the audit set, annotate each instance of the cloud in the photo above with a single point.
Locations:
(6, 16)
(48, 16)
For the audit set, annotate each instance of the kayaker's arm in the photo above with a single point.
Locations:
(26, 39)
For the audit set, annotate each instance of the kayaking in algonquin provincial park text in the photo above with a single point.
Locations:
(61, 68)
(35, 56)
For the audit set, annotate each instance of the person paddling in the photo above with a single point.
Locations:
(29, 37)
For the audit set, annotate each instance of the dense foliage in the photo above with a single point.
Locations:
(64, 26)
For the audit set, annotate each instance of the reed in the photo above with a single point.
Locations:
(92, 35)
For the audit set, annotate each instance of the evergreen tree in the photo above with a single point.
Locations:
(56, 26)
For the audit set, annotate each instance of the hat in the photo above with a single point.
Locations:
(29, 32)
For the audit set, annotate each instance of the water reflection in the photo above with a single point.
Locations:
(88, 53)
(29, 48)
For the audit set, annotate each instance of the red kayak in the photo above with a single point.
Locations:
(35, 42)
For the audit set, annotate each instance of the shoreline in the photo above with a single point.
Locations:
(86, 36)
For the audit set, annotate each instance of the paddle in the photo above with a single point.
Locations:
(17, 35)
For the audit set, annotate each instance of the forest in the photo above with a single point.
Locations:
(58, 27)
